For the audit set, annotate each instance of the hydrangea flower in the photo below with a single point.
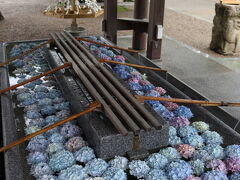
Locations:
(24, 96)
(41, 169)
(62, 106)
(200, 126)
(37, 157)
(170, 153)
(140, 93)
(31, 129)
(35, 145)
(175, 140)
(33, 114)
(134, 80)
(187, 131)
(74, 172)
(54, 147)
(218, 165)
(119, 68)
(144, 82)
(138, 168)
(84, 155)
(156, 161)
(134, 86)
(63, 114)
(201, 155)
(61, 160)
(197, 167)
(58, 100)
(56, 138)
(30, 85)
(212, 137)
(52, 131)
(233, 164)
(213, 175)
(121, 58)
(47, 177)
(28, 102)
(185, 150)
(193, 178)
(184, 112)
(54, 93)
(215, 151)
(235, 176)
(178, 122)
(119, 162)
(160, 90)
(95, 178)
(96, 167)
(74, 144)
(194, 140)
(171, 106)
(33, 107)
(40, 122)
(114, 174)
(45, 102)
(123, 75)
(147, 87)
(152, 93)
(232, 151)
(48, 110)
(172, 131)
(40, 95)
(40, 89)
(21, 91)
(156, 174)
(52, 119)
(178, 170)
(135, 74)
(69, 130)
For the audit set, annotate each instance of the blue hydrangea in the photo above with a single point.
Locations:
(63, 114)
(232, 151)
(140, 93)
(54, 93)
(54, 147)
(200, 126)
(58, 100)
(235, 176)
(119, 68)
(201, 155)
(56, 138)
(159, 108)
(197, 167)
(48, 110)
(111, 54)
(52, 131)
(175, 140)
(193, 140)
(47, 177)
(30, 85)
(45, 102)
(19, 63)
(178, 170)
(168, 115)
(31, 129)
(156, 174)
(187, 131)
(123, 74)
(33, 114)
(119, 162)
(75, 172)
(85, 154)
(41, 169)
(61, 106)
(135, 86)
(40, 89)
(170, 153)
(147, 87)
(156, 161)
(61, 160)
(183, 111)
(138, 168)
(21, 80)
(52, 119)
(40, 95)
(37, 145)
(24, 96)
(213, 175)
(214, 151)
(212, 137)
(37, 82)
(33, 107)
(69, 130)
(28, 102)
(114, 174)
(172, 131)
(50, 83)
(96, 167)
(40, 122)
(21, 91)
(37, 157)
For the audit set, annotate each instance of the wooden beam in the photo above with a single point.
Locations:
(132, 23)
(230, 1)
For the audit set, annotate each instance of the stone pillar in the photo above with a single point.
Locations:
(1, 16)
(226, 29)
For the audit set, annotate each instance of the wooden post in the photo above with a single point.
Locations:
(1, 16)
(110, 20)
(156, 16)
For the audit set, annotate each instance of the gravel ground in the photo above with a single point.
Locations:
(24, 20)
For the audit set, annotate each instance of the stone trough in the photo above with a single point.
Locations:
(101, 135)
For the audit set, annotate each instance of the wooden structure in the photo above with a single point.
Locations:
(230, 1)
(139, 24)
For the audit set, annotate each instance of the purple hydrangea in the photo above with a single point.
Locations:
(119, 58)
(212, 137)
(75, 143)
(119, 68)
(178, 170)
(114, 174)
(134, 86)
(160, 90)
(85, 154)
(138, 168)
(217, 164)
(37, 157)
(184, 112)
(215, 151)
(193, 140)
(233, 164)
(123, 75)
(200, 126)
(135, 74)
(213, 175)
(178, 122)
(197, 167)
(134, 80)
(41, 169)
(69, 130)
(171, 106)
(61, 160)
(156, 161)
(35, 145)
(156, 174)
(187, 131)
(232, 151)
(170, 153)
(73, 172)
(119, 162)
(96, 167)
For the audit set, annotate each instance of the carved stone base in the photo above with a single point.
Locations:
(226, 29)
(1, 16)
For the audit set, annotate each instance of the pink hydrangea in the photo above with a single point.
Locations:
(133, 80)
(75, 143)
(170, 106)
(178, 122)
(218, 165)
(233, 164)
(160, 90)
(144, 82)
(120, 58)
(193, 178)
(185, 150)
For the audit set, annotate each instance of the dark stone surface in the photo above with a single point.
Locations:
(138, 154)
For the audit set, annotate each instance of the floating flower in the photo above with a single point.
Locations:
(74, 144)
(74, 172)
(215, 151)
(40, 95)
(156, 174)
(37, 157)
(119, 162)
(54, 147)
(96, 167)
(172, 131)
(114, 174)
(62, 106)
(201, 155)
(147, 87)
(85, 154)
(235, 176)
(134, 86)
(170, 153)
(69, 130)
(160, 90)
(54, 93)
(217, 164)
(171, 106)
(193, 178)
(35, 145)
(185, 150)
(135, 74)
(212, 137)
(63, 114)
(45, 102)
(175, 140)
(40, 89)
(24, 96)
(178, 122)
(138, 168)
(187, 131)
(184, 112)
(197, 167)
(123, 75)
(31, 129)
(232, 151)
(133, 80)
(58, 100)
(28, 102)
(48, 110)
(52, 119)
(178, 170)
(233, 164)
(156, 161)
(200, 126)
(194, 140)
(144, 82)
(61, 160)
(47, 177)
(41, 169)
(33, 114)
(213, 175)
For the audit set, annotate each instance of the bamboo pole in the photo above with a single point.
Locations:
(36, 77)
(131, 65)
(25, 53)
(107, 45)
(187, 101)
(24, 139)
